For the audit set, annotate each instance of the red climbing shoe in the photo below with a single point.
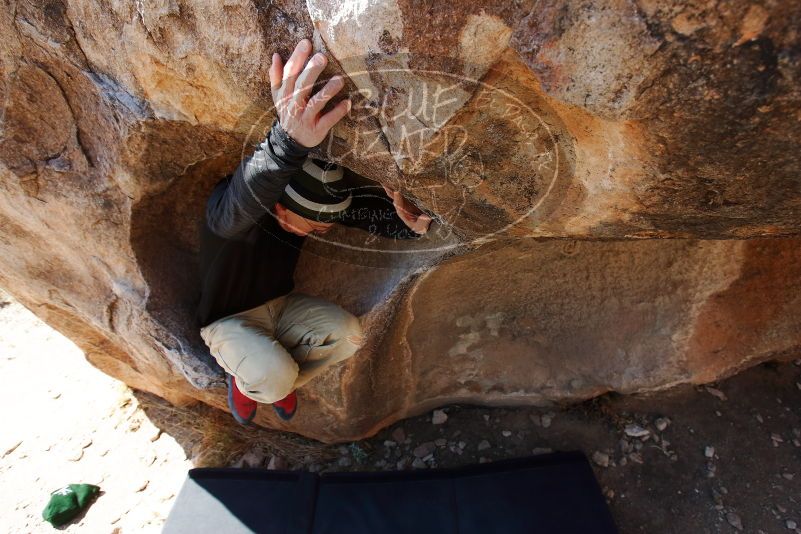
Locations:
(286, 407)
(242, 408)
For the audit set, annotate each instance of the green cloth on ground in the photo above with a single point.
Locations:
(67, 502)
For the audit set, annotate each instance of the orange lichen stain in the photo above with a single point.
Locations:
(742, 321)
(753, 24)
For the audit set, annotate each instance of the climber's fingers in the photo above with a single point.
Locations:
(389, 191)
(292, 68)
(291, 86)
(403, 205)
(307, 79)
(422, 223)
(400, 208)
(328, 120)
(321, 98)
(410, 214)
(276, 73)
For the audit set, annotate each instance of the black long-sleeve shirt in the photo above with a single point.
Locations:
(246, 258)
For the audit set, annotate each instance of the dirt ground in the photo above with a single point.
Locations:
(723, 458)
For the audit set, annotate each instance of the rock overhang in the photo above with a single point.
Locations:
(665, 122)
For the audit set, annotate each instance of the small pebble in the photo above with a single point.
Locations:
(252, 458)
(11, 447)
(662, 423)
(506, 433)
(390, 443)
(440, 442)
(792, 525)
(277, 463)
(483, 445)
(439, 417)
(600, 458)
(716, 393)
(75, 455)
(546, 420)
(419, 464)
(709, 452)
(399, 435)
(424, 449)
(734, 520)
(636, 431)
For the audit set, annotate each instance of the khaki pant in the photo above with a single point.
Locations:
(275, 348)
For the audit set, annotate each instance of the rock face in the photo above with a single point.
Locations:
(548, 139)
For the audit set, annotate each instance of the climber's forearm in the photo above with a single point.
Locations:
(240, 202)
(236, 205)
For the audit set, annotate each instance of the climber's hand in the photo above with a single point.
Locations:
(410, 214)
(291, 86)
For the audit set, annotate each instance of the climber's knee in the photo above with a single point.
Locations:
(272, 383)
(264, 370)
(350, 329)
(357, 340)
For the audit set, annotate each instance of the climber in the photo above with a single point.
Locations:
(268, 339)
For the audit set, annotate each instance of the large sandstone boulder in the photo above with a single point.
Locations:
(548, 141)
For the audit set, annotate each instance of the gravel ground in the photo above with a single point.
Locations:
(66, 422)
(719, 458)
